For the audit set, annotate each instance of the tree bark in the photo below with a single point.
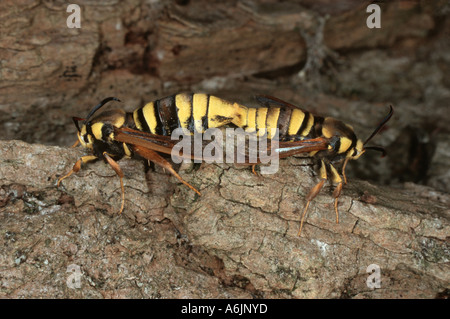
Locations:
(239, 239)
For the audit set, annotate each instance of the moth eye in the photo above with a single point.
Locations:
(85, 138)
(354, 152)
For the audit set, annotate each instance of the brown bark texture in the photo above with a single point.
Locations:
(239, 239)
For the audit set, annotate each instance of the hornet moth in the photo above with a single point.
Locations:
(144, 134)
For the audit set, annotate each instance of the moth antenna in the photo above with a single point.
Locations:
(76, 120)
(380, 126)
(377, 148)
(98, 106)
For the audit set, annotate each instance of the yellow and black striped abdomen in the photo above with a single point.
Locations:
(198, 112)
(296, 124)
(193, 112)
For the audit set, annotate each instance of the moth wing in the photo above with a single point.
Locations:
(160, 143)
(273, 102)
(286, 149)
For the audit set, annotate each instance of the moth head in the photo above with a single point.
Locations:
(360, 147)
(100, 127)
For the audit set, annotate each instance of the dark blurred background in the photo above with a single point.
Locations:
(320, 55)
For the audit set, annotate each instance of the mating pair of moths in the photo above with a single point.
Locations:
(145, 134)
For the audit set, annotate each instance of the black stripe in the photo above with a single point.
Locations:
(160, 118)
(176, 110)
(283, 121)
(168, 114)
(141, 118)
(191, 126)
(256, 120)
(205, 123)
(174, 123)
(89, 130)
(160, 126)
(335, 143)
(316, 130)
(129, 121)
(106, 130)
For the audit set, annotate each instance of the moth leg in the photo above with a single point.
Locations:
(337, 191)
(254, 171)
(343, 170)
(77, 166)
(313, 193)
(116, 167)
(75, 144)
(78, 134)
(161, 161)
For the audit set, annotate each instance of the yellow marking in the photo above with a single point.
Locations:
(323, 170)
(78, 141)
(136, 120)
(309, 125)
(240, 116)
(127, 150)
(251, 120)
(296, 121)
(359, 148)
(220, 112)
(261, 115)
(97, 130)
(88, 158)
(120, 120)
(80, 134)
(313, 153)
(335, 175)
(89, 137)
(345, 144)
(184, 109)
(272, 120)
(149, 115)
(327, 127)
(200, 103)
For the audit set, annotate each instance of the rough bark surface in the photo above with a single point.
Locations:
(239, 238)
